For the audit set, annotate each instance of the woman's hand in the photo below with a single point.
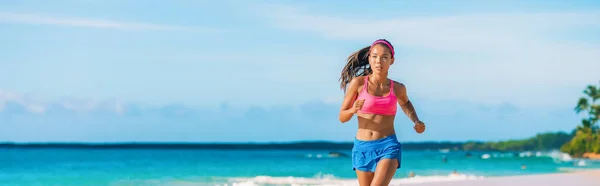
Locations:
(419, 127)
(357, 105)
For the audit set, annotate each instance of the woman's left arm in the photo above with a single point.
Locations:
(407, 107)
(404, 102)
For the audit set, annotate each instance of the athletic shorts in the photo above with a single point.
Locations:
(366, 154)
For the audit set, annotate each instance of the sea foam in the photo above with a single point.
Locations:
(329, 180)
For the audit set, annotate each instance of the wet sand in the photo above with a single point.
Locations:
(579, 178)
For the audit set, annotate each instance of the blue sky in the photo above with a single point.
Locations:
(83, 70)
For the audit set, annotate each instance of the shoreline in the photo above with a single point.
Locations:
(591, 155)
(583, 177)
(589, 177)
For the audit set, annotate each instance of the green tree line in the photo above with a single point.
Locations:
(542, 141)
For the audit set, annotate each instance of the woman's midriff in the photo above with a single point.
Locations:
(373, 127)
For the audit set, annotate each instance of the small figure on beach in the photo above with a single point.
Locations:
(374, 98)
(454, 172)
(411, 174)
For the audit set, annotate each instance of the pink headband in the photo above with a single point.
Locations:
(386, 43)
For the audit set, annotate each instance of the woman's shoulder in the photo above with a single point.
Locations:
(358, 80)
(398, 86)
(396, 83)
(356, 83)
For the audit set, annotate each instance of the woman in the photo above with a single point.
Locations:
(370, 95)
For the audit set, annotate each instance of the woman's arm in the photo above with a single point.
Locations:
(408, 108)
(405, 104)
(348, 110)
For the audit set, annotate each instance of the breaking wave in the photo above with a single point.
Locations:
(330, 180)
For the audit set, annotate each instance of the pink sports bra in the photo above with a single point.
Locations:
(382, 105)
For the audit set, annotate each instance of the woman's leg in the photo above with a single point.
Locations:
(364, 178)
(386, 168)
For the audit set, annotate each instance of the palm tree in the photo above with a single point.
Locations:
(590, 108)
(589, 104)
(586, 137)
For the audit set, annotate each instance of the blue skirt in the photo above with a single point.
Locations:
(366, 154)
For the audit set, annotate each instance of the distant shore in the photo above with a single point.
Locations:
(315, 145)
(547, 141)
(299, 145)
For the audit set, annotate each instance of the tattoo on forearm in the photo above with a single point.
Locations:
(409, 110)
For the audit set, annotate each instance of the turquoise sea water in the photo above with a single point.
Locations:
(148, 167)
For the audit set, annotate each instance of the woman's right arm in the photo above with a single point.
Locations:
(348, 110)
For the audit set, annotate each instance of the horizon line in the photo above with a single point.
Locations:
(255, 142)
(226, 143)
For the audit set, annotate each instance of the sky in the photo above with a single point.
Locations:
(239, 71)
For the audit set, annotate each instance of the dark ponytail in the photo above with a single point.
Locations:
(357, 64)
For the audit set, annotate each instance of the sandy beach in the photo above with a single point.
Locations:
(579, 178)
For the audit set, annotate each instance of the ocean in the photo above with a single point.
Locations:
(177, 167)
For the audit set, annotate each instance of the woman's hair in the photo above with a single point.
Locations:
(357, 64)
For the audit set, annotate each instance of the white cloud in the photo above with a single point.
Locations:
(525, 58)
(27, 102)
(34, 105)
(93, 23)
(493, 33)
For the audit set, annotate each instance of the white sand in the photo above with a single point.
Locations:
(579, 178)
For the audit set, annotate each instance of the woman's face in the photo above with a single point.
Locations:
(380, 58)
